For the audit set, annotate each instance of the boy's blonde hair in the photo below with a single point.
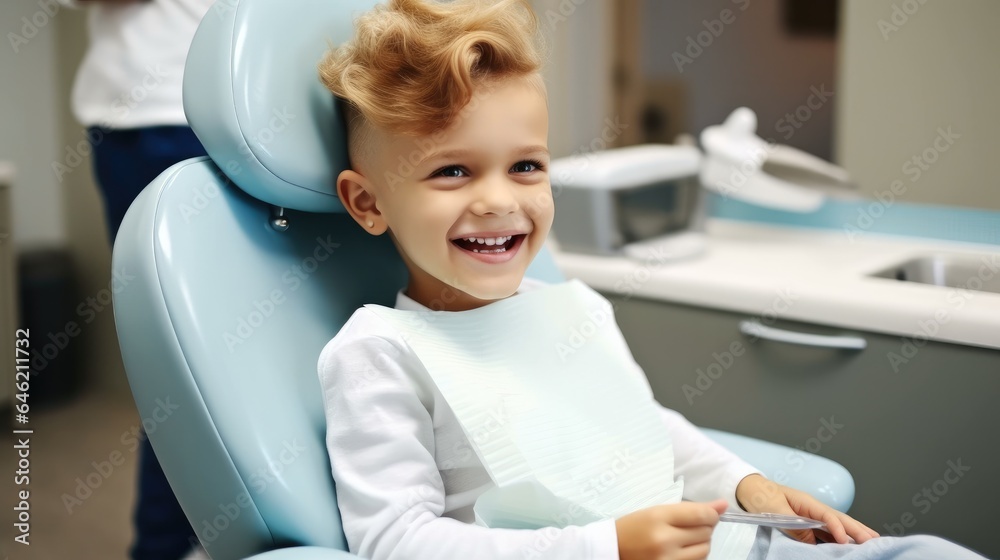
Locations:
(415, 64)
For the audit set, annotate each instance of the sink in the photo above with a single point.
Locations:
(954, 271)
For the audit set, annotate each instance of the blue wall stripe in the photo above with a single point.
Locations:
(855, 218)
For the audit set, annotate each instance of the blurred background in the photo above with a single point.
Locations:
(865, 84)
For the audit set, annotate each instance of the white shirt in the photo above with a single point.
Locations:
(132, 72)
(407, 476)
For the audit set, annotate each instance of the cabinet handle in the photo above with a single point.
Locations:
(753, 328)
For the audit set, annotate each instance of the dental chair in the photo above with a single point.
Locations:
(245, 266)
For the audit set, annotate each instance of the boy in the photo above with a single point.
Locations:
(447, 131)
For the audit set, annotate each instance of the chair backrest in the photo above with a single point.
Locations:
(224, 315)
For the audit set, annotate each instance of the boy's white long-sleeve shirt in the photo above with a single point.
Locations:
(407, 476)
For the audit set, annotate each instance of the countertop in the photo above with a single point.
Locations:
(810, 275)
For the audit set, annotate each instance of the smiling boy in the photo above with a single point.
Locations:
(447, 133)
(484, 178)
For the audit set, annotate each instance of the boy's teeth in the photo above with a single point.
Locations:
(489, 240)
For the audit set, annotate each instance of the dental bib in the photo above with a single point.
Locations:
(561, 417)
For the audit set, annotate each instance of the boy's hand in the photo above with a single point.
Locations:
(759, 495)
(668, 532)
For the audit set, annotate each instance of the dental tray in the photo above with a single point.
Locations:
(775, 520)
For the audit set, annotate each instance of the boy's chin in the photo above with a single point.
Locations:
(492, 289)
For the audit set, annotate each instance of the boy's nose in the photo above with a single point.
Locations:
(496, 196)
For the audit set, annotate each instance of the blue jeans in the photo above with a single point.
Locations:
(125, 161)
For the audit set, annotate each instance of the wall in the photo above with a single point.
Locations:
(907, 76)
(30, 138)
(577, 71)
(750, 61)
(37, 131)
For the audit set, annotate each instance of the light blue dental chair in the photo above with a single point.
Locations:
(241, 281)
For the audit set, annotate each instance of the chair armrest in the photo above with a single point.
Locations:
(826, 480)
(305, 553)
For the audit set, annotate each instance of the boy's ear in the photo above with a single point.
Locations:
(357, 195)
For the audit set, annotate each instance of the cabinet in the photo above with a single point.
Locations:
(918, 436)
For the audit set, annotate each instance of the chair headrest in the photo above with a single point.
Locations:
(253, 97)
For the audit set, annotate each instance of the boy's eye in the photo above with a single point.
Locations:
(456, 171)
(452, 171)
(526, 166)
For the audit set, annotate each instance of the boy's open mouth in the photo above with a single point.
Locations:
(481, 245)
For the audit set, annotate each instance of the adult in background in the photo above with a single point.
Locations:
(127, 93)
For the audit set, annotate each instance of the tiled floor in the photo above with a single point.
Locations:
(74, 449)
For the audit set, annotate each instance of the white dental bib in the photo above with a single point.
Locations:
(563, 420)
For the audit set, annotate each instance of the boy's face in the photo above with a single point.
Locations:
(484, 177)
